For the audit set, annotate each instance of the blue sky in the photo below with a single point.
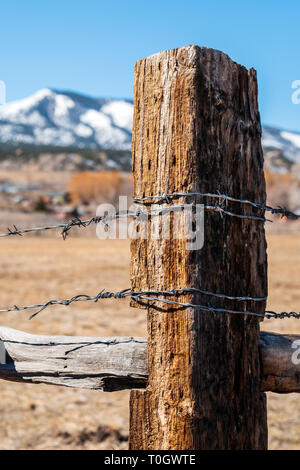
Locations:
(91, 46)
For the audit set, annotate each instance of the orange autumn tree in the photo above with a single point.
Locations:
(278, 179)
(283, 189)
(87, 186)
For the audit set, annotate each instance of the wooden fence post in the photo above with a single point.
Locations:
(197, 128)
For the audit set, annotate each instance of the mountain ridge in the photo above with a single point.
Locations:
(67, 119)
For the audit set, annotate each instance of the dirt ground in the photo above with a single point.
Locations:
(37, 269)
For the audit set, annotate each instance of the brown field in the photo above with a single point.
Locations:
(37, 269)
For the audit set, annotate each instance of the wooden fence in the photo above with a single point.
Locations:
(200, 379)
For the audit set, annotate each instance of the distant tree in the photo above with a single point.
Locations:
(40, 205)
(88, 186)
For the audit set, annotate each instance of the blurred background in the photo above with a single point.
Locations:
(65, 138)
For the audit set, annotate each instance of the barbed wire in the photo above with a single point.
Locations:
(66, 227)
(268, 313)
(164, 197)
(77, 222)
(150, 295)
(259, 205)
(178, 207)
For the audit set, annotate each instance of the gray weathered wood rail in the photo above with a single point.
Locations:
(118, 363)
(106, 364)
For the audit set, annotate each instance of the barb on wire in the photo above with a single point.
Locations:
(165, 197)
(14, 232)
(268, 313)
(194, 290)
(178, 207)
(222, 211)
(151, 295)
(77, 298)
(76, 222)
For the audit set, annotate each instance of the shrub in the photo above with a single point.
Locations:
(88, 186)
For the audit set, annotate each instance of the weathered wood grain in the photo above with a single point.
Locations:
(196, 127)
(280, 357)
(111, 364)
(106, 364)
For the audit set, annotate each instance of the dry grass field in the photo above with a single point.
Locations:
(37, 269)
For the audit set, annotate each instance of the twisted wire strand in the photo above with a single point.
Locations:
(268, 313)
(164, 197)
(66, 227)
(77, 222)
(151, 295)
(178, 207)
(259, 205)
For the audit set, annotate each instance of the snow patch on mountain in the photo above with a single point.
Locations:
(120, 112)
(64, 119)
(293, 138)
(286, 143)
(67, 119)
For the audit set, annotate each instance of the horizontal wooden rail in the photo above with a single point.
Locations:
(106, 364)
(111, 364)
(280, 360)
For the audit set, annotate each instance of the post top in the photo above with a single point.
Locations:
(190, 54)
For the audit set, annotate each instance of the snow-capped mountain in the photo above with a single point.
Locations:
(67, 119)
(285, 143)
